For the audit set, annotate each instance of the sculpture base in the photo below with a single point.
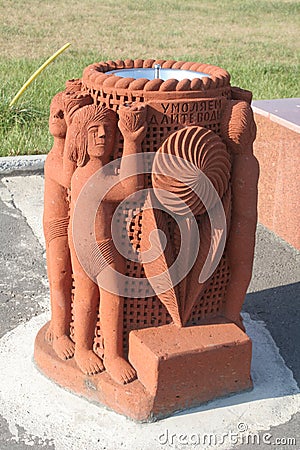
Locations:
(177, 369)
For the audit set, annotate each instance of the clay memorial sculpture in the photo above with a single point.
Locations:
(149, 218)
(56, 218)
(92, 148)
(56, 221)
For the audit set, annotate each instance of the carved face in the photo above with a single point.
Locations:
(100, 138)
(57, 123)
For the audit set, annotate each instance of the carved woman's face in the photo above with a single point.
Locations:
(100, 139)
(57, 123)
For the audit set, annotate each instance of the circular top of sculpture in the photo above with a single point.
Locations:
(157, 72)
(159, 76)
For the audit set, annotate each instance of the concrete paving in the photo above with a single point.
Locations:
(37, 414)
(285, 111)
(22, 164)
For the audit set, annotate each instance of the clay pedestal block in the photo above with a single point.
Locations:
(185, 367)
(177, 369)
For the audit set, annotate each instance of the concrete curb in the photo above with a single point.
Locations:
(284, 111)
(21, 165)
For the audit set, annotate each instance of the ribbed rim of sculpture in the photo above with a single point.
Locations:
(95, 76)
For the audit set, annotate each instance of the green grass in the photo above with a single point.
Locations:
(256, 41)
(24, 128)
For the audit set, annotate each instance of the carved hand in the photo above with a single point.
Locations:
(132, 122)
(73, 102)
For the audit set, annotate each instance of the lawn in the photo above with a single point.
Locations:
(256, 41)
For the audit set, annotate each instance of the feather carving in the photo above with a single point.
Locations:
(157, 256)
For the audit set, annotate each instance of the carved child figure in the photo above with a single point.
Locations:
(91, 146)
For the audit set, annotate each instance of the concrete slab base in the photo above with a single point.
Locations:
(31, 401)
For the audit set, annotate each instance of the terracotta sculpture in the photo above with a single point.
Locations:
(239, 131)
(196, 151)
(56, 219)
(56, 222)
(174, 336)
(92, 148)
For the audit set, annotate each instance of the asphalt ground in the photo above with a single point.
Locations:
(273, 298)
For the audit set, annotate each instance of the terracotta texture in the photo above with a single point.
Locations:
(56, 218)
(181, 367)
(198, 186)
(56, 221)
(90, 144)
(177, 369)
(239, 131)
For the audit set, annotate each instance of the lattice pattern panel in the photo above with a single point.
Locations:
(211, 303)
(150, 312)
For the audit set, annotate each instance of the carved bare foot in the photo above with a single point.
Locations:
(64, 347)
(88, 362)
(49, 335)
(119, 369)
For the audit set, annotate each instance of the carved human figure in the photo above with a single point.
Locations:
(74, 99)
(239, 131)
(58, 170)
(91, 146)
(55, 223)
